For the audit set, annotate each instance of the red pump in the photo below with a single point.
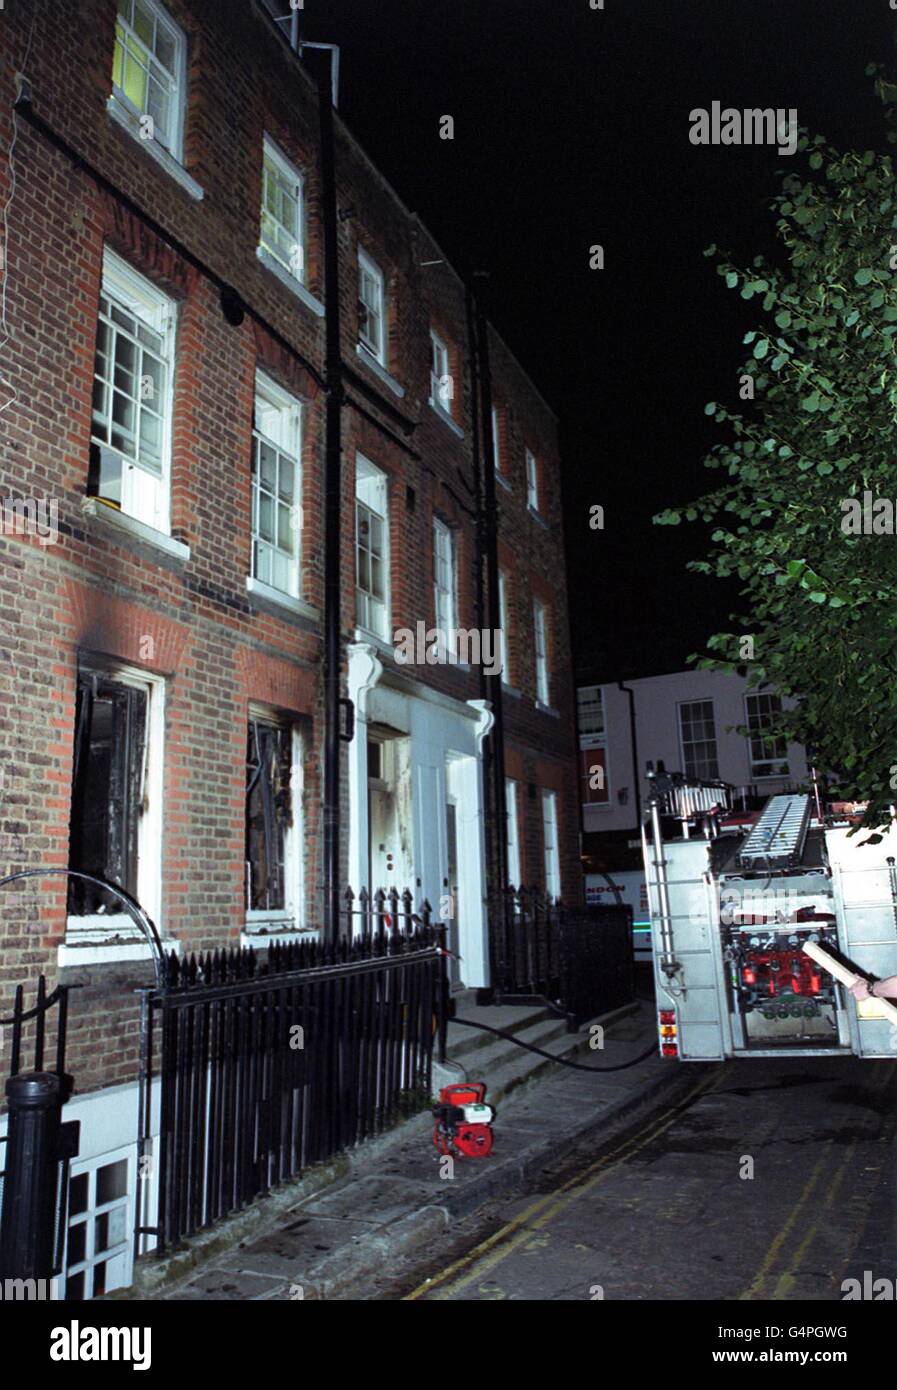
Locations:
(463, 1120)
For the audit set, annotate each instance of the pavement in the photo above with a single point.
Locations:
(332, 1233)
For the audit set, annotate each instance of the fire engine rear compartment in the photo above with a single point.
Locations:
(777, 996)
(730, 912)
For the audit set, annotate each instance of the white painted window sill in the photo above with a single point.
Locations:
(370, 361)
(373, 639)
(537, 516)
(96, 507)
(291, 281)
(510, 690)
(131, 123)
(500, 478)
(103, 939)
(257, 941)
(446, 418)
(290, 601)
(547, 709)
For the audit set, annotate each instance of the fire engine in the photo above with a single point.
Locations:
(734, 898)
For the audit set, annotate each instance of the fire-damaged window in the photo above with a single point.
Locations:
(110, 790)
(273, 807)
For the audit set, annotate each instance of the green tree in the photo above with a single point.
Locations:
(819, 601)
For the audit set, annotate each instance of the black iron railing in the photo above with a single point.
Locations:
(270, 1063)
(578, 960)
(524, 938)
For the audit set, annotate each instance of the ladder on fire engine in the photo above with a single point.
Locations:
(778, 838)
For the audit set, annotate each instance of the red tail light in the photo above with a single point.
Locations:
(669, 1050)
(667, 1015)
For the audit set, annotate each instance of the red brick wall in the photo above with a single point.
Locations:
(97, 591)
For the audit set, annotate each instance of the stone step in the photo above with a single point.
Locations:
(526, 1067)
(492, 1053)
(463, 1040)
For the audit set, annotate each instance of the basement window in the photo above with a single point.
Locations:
(273, 824)
(115, 827)
(99, 1246)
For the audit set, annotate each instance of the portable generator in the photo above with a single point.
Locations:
(463, 1120)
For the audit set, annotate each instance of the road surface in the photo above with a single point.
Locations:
(765, 1179)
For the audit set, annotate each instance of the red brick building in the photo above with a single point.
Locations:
(163, 601)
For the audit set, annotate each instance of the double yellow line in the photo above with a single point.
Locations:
(785, 1282)
(502, 1243)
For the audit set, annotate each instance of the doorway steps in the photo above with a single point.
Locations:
(474, 1055)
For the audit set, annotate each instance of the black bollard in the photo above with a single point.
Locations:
(29, 1188)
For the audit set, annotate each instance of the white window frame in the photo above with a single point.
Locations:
(496, 440)
(540, 651)
(532, 481)
(288, 172)
(504, 623)
(684, 744)
(177, 77)
(759, 738)
(550, 844)
(445, 596)
(107, 926)
(271, 397)
(372, 492)
(369, 267)
(121, 1255)
(591, 737)
(513, 833)
(268, 922)
(145, 495)
(441, 382)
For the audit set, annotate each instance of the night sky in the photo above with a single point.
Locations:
(571, 129)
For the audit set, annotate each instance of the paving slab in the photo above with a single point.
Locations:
(393, 1196)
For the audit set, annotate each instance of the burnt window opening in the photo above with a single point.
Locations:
(268, 814)
(108, 790)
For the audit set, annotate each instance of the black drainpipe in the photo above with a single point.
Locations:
(476, 462)
(635, 762)
(495, 743)
(332, 513)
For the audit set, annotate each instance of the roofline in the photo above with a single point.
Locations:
(261, 6)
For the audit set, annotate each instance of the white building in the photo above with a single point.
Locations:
(690, 721)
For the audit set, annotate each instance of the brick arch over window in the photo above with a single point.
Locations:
(277, 683)
(102, 623)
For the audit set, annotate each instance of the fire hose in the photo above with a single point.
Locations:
(561, 1061)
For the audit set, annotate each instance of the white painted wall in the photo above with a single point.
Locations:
(441, 732)
(657, 732)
